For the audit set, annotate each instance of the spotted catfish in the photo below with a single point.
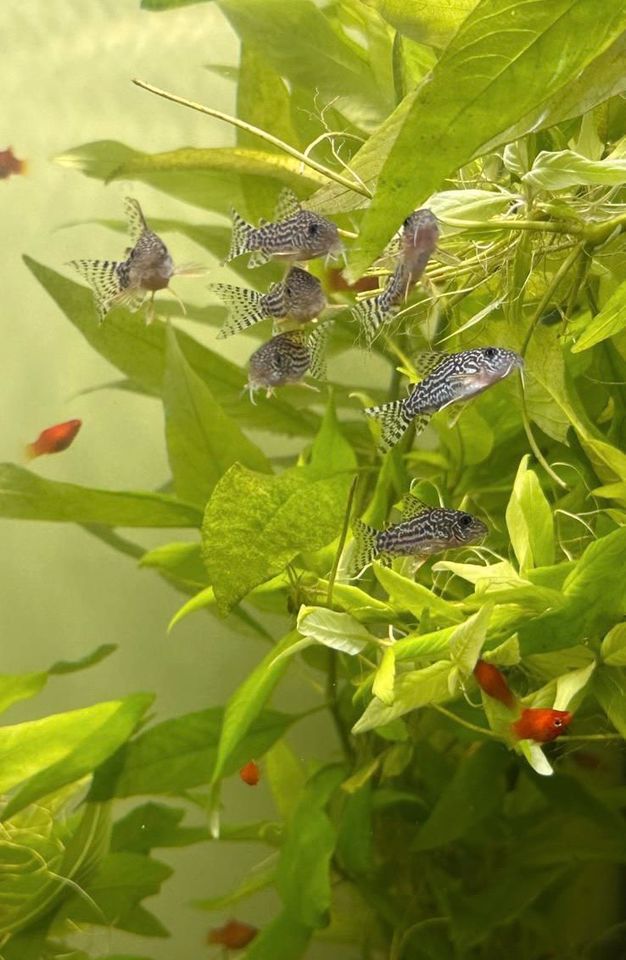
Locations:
(286, 358)
(448, 378)
(294, 235)
(299, 297)
(422, 531)
(148, 267)
(415, 246)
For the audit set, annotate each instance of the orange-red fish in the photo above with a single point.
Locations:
(250, 773)
(234, 935)
(492, 682)
(541, 724)
(10, 164)
(54, 439)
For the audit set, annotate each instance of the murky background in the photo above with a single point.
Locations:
(65, 80)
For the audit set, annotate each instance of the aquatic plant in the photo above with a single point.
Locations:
(435, 825)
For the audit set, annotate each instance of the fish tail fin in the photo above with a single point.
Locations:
(370, 314)
(104, 279)
(240, 237)
(245, 308)
(30, 452)
(365, 548)
(394, 421)
(318, 341)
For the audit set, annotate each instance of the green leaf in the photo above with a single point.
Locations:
(428, 21)
(202, 441)
(384, 678)
(569, 685)
(409, 595)
(529, 520)
(247, 702)
(285, 776)
(613, 649)
(339, 631)
(83, 663)
(608, 462)
(47, 754)
(282, 939)
(355, 845)
(608, 685)
(25, 496)
(158, 5)
(474, 794)
(610, 321)
(468, 638)
(181, 561)
(488, 78)
(258, 878)
(413, 690)
(557, 171)
(153, 825)
(16, 687)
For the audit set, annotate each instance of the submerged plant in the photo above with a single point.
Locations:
(474, 789)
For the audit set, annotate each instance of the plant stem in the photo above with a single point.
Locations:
(565, 267)
(464, 723)
(342, 542)
(534, 446)
(536, 226)
(592, 736)
(263, 134)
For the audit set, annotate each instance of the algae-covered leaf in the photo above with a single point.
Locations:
(202, 441)
(412, 690)
(529, 520)
(47, 754)
(428, 21)
(25, 496)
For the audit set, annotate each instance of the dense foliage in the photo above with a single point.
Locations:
(427, 830)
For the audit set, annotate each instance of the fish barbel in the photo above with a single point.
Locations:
(422, 531)
(449, 378)
(299, 297)
(295, 235)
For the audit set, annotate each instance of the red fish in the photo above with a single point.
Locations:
(250, 773)
(492, 682)
(234, 935)
(10, 164)
(541, 724)
(54, 439)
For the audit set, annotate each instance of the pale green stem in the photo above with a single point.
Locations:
(464, 723)
(541, 226)
(263, 134)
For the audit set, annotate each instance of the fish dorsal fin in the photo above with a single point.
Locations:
(287, 204)
(412, 506)
(263, 221)
(427, 362)
(136, 220)
(318, 341)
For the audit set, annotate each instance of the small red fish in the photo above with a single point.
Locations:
(492, 682)
(250, 773)
(54, 439)
(541, 724)
(234, 935)
(10, 164)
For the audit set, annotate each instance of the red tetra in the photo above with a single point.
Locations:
(541, 724)
(9, 164)
(234, 935)
(54, 439)
(492, 682)
(250, 773)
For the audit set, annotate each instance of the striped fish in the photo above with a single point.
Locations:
(286, 358)
(299, 297)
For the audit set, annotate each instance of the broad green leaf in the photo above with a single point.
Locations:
(608, 685)
(609, 321)
(25, 496)
(259, 878)
(613, 649)
(384, 679)
(202, 441)
(529, 520)
(16, 687)
(413, 690)
(474, 793)
(556, 171)
(608, 461)
(139, 352)
(502, 63)
(426, 22)
(153, 825)
(339, 631)
(569, 685)
(472, 205)
(285, 776)
(468, 638)
(179, 754)
(282, 939)
(47, 754)
(550, 397)
(180, 560)
(505, 655)
(355, 846)
(247, 702)
(409, 595)
(303, 876)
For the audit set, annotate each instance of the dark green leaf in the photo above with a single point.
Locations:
(282, 939)
(154, 825)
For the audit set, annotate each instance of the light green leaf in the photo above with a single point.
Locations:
(502, 63)
(47, 754)
(608, 461)
(609, 688)
(202, 441)
(203, 600)
(550, 397)
(16, 687)
(180, 560)
(413, 690)
(556, 171)
(339, 631)
(384, 679)
(472, 205)
(613, 649)
(610, 320)
(282, 939)
(25, 496)
(428, 21)
(529, 520)
(409, 595)
(507, 654)
(158, 5)
(468, 638)
(286, 777)
(568, 685)
(536, 758)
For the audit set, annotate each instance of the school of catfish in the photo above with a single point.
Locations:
(303, 320)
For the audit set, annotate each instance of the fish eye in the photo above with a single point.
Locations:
(557, 722)
(313, 229)
(490, 353)
(465, 520)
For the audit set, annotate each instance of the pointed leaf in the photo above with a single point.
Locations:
(529, 520)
